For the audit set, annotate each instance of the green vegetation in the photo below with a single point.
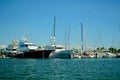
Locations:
(100, 49)
(111, 49)
(114, 50)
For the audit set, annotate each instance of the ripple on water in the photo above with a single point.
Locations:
(59, 69)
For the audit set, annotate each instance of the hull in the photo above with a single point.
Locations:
(66, 54)
(118, 55)
(35, 54)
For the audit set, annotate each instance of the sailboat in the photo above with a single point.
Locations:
(59, 51)
(85, 53)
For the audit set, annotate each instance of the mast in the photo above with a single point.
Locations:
(54, 25)
(100, 39)
(82, 36)
(69, 38)
(52, 38)
(67, 43)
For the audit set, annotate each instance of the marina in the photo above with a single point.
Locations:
(26, 49)
(57, 51)
(59, 39)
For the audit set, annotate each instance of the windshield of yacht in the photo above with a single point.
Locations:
(26, 45)
(58, 47)
(14, 49)
(29, 45)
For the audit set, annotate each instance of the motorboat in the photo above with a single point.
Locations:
(28, 49)
(11, 50)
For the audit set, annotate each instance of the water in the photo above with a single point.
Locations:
(60, 69)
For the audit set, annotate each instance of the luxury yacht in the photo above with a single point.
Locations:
(28, 49)
(11, 50)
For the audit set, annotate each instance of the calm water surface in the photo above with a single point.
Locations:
(60, 69)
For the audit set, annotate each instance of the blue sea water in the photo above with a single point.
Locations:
(60, 69)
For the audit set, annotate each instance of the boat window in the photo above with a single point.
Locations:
(59, 48)
(14, 49)
(26, 45)
(31, 45)
(7, 49)
(23, 45)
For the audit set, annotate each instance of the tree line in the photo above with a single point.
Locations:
(111, 49)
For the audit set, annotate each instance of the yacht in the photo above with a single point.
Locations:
(11, 50)
(28, 49)
(88, 54)
(58, 50)
(108, 54)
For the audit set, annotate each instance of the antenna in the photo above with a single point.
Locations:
(24, 34)
(25, 31)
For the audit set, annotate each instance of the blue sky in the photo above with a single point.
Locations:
(101, 19)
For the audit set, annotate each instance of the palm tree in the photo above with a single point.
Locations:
(118, 50)
(113, 50)
(100, 49)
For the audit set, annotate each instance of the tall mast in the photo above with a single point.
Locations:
(52, 38)
(82, 35)
(54, 25)
(67, 43)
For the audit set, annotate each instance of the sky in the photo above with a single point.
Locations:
(35, 20)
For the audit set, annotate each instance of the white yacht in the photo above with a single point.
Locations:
(11, 50)
(59, 51)
(26, 45)
(28, 49)
(107, 54)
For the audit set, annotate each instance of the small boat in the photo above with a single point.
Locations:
(108, 54)
(76, 53)
(88, 54)
(28, 49)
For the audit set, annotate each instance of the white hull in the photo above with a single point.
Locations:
(61, 54)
